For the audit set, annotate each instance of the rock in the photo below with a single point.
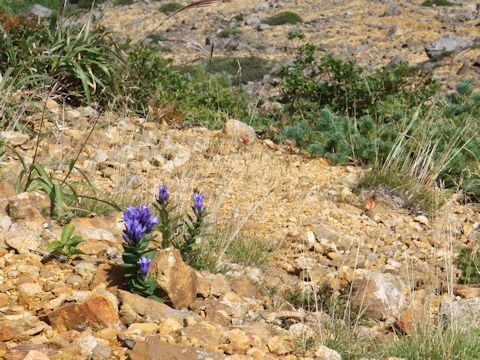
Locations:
(142, 329)
(466, 291)
(176, 280)
(463, 314)
(20, 326)
(204, 334)
(111, 275)
(29, 289)
(37, 10)
(301, 331)
(14, 138)
(392, 10)
(153, 347)
(380, 296)
(281, 344)
(151, 309)
(20, 206)
(325, 353)
(32, 352)
(3, 300)
(446, 45)
(6, 190)
(97, 313)
(240, 131)
(243, 287)
(326, 232)
(219, 285)
(97, 228)
(170, 325)
(422, 219)
(22, 239)
(5, 223)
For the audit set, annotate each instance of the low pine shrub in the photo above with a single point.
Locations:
(170, 7)
(394, 120)
(282, 18)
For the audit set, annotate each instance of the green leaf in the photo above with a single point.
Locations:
(54, 245)
(67, 232)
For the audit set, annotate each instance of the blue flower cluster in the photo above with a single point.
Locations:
(138, 222)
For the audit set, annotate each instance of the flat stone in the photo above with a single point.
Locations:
(152, 347)
(97, 313)
(151, 309)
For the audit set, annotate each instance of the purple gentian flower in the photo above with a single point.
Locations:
(163, 194)
(144, 265)
(198, 203)
(138, 222)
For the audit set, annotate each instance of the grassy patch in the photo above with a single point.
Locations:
(170, 7)
(432, 3)
(238, 17)
(242, 69)
(469, 263)
(283, 18)
(437, 344)
(250, 251)
(415, 196)
(226, 33)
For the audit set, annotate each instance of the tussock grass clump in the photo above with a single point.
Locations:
(283, 18)
(415, 196)
(226, 33)
(250, 251)
(170, 7)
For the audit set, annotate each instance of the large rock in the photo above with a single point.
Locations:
(20, 206)
(96, 313)
(240, 131)
(446, 45)
(176, 280)
(379, 296)
(154, 348)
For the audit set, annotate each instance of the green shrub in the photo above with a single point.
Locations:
(226, 33)
(282, 18)
(393, 119)
(206, 98)
(311, 83)
(170, 7)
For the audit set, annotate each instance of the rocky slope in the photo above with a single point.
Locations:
(396, 267)
(372, 32)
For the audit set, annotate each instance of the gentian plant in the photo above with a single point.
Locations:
(137, 256)
(194, 227)
(167, 225)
